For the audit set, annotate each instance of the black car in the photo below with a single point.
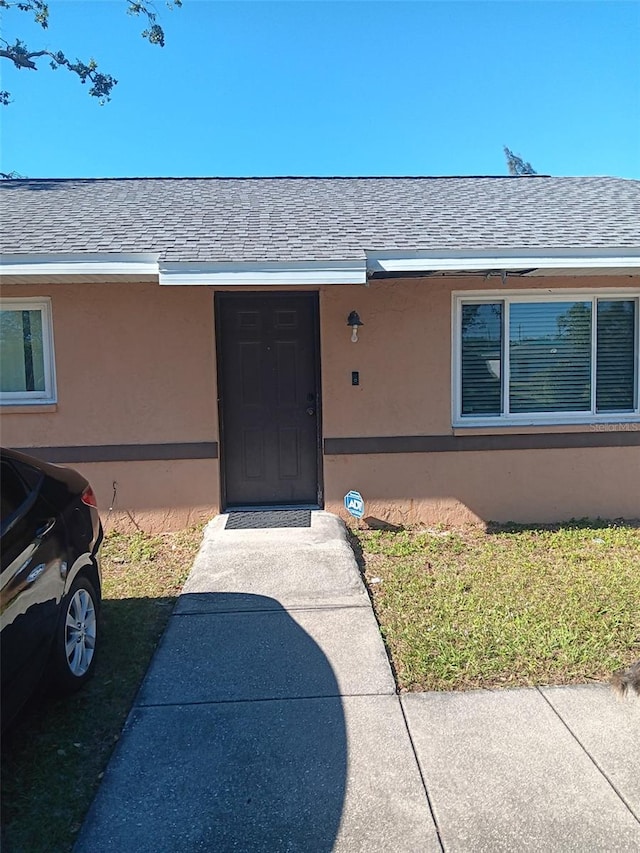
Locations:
(50, 533)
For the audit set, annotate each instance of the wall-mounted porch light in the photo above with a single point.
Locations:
(354, 321)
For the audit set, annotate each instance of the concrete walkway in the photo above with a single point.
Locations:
(268, 721)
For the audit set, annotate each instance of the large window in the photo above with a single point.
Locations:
(26, 352)
(546, 358)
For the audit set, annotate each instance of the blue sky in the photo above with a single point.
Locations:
(343, 88)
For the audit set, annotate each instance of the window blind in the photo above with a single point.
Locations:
(550, 357)
(615, 355)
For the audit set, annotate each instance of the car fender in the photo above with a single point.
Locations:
(88, 565)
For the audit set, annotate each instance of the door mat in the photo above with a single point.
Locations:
(268, 518)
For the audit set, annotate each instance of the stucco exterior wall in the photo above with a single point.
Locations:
(509, 485)
(135, 365)
(155, 496)
(403, 356)
(403, 352)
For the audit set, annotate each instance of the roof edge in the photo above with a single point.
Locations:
(298, 178)
(372, 264)
(69, 263)
(617, 261)
(337, 271)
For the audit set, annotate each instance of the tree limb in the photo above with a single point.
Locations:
(23, 60)
(102, 84)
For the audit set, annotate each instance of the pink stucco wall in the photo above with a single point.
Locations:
(135, 364)
(404, 359)
(506, 485)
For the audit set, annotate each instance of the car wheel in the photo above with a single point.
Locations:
(75, 643)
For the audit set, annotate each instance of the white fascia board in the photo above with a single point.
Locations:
(264, 273)
(543, 262)
(106, 264)
(604, 269)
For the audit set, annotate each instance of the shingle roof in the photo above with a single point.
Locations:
(287, 219)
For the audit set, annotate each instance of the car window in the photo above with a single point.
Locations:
(31, 476)
(13, 492)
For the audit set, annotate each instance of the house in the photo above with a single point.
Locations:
(193, 344)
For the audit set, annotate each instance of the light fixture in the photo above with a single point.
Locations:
(354, 321)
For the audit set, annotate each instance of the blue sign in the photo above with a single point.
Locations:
(354, 504)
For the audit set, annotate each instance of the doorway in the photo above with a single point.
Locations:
(268, 381)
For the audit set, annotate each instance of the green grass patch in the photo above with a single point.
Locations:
(52, 761)
(513, 606)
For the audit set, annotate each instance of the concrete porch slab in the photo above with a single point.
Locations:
(270, 654)
(313, 775)
(301, 567)
(504, 774)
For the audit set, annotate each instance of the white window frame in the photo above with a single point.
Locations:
(27, 398)
(507, 298)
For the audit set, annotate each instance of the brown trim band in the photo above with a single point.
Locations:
(124, 452)
(453, 443)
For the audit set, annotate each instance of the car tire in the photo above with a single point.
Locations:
(75, 644)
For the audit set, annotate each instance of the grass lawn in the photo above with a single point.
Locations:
(509, 607)
(53, 760)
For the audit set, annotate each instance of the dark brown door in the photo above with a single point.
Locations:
(268, 381)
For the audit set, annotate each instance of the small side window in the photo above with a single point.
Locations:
(27, 373)
(14, 494)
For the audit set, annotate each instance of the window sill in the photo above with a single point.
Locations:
(27, 409)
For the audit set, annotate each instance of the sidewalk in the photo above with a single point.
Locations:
(268, 721)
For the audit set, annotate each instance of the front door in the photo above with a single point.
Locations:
(268, 386)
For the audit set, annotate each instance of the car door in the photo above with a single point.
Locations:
(33, 546)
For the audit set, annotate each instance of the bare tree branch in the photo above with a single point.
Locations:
(20, 58)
